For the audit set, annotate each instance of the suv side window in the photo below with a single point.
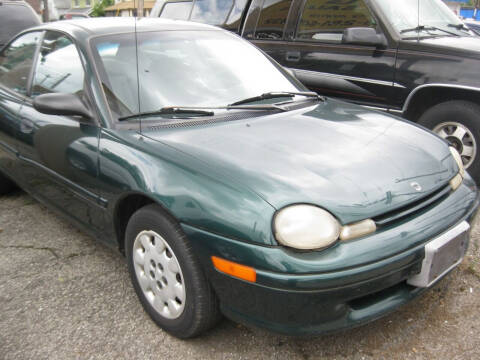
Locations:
(234, 19)
(179, 10)
(212, 12)
(16, 62)
(272, 19)
(58, 68)
(325, 20)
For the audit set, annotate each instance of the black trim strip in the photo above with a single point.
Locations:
(9, 148)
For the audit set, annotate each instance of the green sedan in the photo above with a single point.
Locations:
(230, 188)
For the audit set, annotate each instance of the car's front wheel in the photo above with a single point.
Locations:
(6, 185)
(166, 275)
(458, 122)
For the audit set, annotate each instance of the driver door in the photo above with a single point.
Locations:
(312, 47)
(60, 153)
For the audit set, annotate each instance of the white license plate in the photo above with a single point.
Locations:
(441, 255)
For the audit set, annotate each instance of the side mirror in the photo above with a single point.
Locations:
(61, 104)
(363, 36)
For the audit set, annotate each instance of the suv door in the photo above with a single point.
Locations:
(15, 67)
(265, 26)
(60, 153)
(312, 47)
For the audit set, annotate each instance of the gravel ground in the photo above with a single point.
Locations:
(63, 296)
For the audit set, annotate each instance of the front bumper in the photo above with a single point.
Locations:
(345, 286)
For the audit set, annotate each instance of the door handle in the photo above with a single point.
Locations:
(293, 56)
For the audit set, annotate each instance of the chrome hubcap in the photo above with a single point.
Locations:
(461, 138)
(159, 274)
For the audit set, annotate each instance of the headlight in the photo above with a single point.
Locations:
(458, 160)
(306, 227)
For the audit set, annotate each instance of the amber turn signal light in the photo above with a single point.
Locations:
(233, 269)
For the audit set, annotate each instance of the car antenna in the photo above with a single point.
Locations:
(135, 6)
(418, 20)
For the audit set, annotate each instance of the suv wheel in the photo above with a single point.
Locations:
(166, 275)
(458, 122)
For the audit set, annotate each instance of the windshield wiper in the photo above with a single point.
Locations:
(459, 27)
(276, 94)
(199, 111)
(427, 28)
(170, 110)
(253, 107)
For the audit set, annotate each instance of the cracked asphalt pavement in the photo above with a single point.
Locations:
(64, 296)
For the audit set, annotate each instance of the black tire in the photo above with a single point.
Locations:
(459, 111)
(6, 185)
(201, 311)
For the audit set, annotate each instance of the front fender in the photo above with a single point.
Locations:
(193, 193)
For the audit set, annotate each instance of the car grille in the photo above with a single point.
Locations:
(416, 207)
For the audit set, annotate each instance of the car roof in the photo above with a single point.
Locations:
(115, 25)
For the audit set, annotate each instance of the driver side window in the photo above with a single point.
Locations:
(325, 20)
(58, 68)
(16, 62)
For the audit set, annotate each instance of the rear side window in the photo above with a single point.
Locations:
(212, 12)
(58, 68)
(272, 19)
(16, 62)
(325, 20)
(234, 19)
(176, 10)
(15, 18)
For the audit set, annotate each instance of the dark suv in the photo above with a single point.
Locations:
(15, 16)
(414, 58)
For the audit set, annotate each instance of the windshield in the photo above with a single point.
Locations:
(184, 68)
(404, 16)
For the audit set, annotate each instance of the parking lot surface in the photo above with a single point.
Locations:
(64, 296)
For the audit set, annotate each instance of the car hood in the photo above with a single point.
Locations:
(353, 162)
